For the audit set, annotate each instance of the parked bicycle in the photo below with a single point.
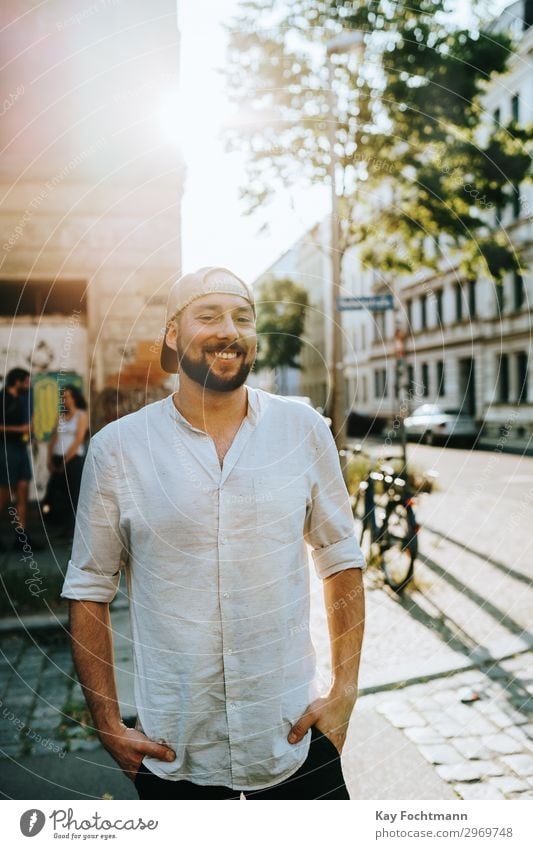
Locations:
(383, 505)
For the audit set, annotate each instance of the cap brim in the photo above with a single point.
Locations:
(168, 359)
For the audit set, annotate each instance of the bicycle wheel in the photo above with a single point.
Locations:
(399, 546)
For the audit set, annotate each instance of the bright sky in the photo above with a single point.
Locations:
(215, 229)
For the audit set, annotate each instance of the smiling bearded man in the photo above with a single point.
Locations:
(207, 500)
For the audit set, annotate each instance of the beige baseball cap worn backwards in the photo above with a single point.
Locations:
(205, 281)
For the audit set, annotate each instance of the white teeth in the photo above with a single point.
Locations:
(227, 355)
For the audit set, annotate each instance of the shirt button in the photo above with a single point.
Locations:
(226, 595)
(223, 540)
(233, 705)
(229, 651)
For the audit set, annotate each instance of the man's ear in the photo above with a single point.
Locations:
(171, 336)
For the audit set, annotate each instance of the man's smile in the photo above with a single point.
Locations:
(224, 354)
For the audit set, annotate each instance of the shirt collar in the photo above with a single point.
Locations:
(253, 415)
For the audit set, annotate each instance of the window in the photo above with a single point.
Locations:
(380, 383)
(503, 379)
(518, 290)
(458, 302)
(472, 298)
(38, 297)
(515, 107)
(363, 337)
(441, 385)
(410, 377)
(423, 311)
(347, 400)
(500, 298)
(379, 326)
(425, 380)
(439, 306)
(522, 375)
(409, 311)
(497, 117)
(365, 389)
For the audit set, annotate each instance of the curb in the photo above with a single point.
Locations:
(478, 660)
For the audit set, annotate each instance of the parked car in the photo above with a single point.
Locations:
(431, 423)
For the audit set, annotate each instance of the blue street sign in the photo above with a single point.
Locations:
(373, 303)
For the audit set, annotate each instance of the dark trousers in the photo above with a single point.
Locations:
(63, 492)
(319, 777)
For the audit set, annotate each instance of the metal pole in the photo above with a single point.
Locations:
(337, 412)
(399, 348)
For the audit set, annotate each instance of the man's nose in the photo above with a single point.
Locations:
(226, 328)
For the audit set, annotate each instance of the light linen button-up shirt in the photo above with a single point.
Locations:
(218, 577)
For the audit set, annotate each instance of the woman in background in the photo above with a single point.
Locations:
(66, 453)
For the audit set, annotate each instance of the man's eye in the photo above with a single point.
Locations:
(244, 319)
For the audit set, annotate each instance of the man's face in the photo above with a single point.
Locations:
(216, 341)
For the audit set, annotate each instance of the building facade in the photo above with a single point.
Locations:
(308, 264)
(91, 181)
(466, 344)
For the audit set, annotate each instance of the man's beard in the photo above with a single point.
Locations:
(202, 373)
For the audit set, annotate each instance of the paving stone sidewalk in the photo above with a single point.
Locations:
(475, 727)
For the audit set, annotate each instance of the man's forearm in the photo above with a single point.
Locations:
(345, 607)
(92, 648)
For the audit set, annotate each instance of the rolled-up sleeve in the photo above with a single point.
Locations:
(330, 529)
(98, 550)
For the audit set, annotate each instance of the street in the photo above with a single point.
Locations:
(469, 608)
(446, 675)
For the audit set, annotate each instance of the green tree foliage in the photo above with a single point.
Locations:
(282, 306)
(421, 171)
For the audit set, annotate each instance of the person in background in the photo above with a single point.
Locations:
(66, 453)
(15, 433)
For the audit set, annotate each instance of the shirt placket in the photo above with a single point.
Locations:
(231, 648)
(231, 664)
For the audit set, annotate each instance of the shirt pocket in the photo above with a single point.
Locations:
(280, 503)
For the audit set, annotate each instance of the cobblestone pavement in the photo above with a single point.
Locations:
(41, 702)
(475, 727)
(448, 665)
